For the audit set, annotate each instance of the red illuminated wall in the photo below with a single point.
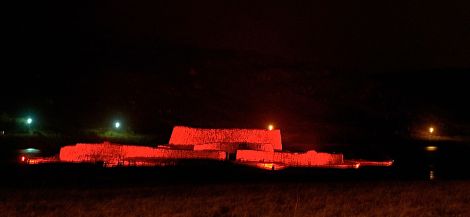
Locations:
(248, 144)
(310, 158)
(233, 147)
(113, 153)
(196, 136)
(91, 152)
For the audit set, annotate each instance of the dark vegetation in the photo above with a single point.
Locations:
(198, 188)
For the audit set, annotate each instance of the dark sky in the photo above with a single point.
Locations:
(315, 69)
(365, 35)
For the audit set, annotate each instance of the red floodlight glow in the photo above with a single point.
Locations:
(357, 165)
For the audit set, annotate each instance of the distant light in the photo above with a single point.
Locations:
(29, 121)
(431, 148)
(30, 151)
(23, 158)
(357, 165)
(117, 124)
(270, 127)
(431, 130)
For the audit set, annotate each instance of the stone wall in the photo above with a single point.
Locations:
(310, 158)
(112, 153)
(233, 147)
(195, 136)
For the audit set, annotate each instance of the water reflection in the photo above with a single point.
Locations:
(431, 156)
(431, 148)
(431, 174)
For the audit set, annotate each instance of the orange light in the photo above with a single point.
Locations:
(270, 127)
(268, 166)
(431, 130)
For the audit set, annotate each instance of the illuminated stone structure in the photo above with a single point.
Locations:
(310, 158)
(229, 140)
(257, 147)
(114, 154)
(249, 145)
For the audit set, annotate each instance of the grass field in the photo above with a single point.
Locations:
(359, 198)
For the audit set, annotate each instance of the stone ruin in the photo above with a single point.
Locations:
(239, 145)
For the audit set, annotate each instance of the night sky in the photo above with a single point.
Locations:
(320, 71)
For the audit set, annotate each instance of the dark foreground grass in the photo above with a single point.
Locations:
(359, 198)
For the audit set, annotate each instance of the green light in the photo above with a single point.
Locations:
(29, 121)
(117, 124)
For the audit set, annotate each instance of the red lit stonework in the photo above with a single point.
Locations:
(115, 154)
(254, 147)
(258, 139)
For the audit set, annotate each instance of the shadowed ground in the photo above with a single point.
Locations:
(357, 198)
